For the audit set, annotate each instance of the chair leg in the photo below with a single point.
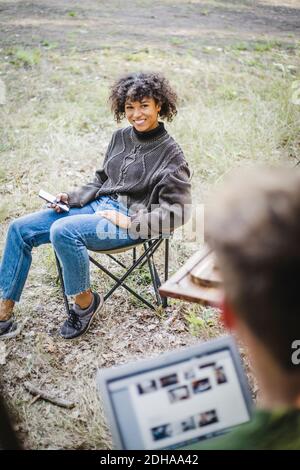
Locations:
(167, 250)
(163, 300)
(66, 302)
(157, 282)
(133, 255)
(154, 275)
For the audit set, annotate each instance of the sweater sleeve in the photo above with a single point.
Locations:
(173, 208)
(87, 193)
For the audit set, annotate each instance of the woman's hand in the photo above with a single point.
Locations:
(116, 218)
(60, 197)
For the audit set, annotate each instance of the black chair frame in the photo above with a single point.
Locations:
(150, 247)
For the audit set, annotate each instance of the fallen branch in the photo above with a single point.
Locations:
(48, 397)
(36, 398)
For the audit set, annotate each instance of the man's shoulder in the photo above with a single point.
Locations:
(268, 430)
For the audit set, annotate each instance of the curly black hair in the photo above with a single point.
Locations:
(137, 86)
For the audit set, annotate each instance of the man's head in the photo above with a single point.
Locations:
(254, 228)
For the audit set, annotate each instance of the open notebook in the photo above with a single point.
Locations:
(176, 399)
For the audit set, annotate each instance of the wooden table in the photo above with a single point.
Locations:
(197, 281)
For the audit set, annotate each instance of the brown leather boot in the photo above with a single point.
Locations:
(6, 309)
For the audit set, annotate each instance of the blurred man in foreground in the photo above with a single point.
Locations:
(254, 229)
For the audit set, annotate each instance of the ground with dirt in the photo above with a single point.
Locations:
(235, 65)
(125, 24)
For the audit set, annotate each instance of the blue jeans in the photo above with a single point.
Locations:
(71, 234)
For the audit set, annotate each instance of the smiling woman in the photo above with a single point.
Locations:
(142, 191)
(143, 115)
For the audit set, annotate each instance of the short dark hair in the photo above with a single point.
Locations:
(254, 228)
(137, 86)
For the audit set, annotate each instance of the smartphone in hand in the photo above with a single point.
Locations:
(52, 199)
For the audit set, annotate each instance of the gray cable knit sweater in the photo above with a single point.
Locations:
(150, 174)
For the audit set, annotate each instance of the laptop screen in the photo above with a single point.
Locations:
(175, 404)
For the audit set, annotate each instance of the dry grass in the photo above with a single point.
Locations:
(236, 109)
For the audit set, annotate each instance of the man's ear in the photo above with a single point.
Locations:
(227, 315)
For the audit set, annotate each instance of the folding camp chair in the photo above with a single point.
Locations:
(150, 247)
